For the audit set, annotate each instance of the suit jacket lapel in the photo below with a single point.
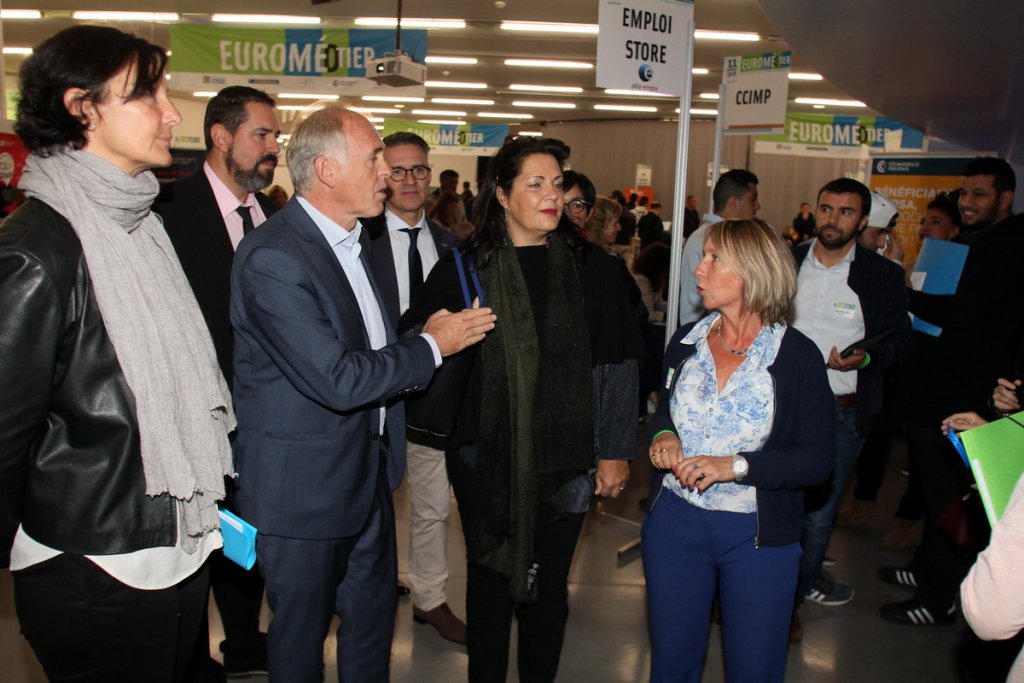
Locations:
(377, 246)
(328, 272)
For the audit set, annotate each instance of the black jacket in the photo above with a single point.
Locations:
(879, 284)
(70, 463)
(193, 221)
(382, 260)
(982, 326)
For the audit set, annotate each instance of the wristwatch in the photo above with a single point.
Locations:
(740, 467)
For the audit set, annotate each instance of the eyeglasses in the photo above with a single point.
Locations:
(398, 173)
(578, 205)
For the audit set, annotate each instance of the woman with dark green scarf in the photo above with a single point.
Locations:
(548, 417)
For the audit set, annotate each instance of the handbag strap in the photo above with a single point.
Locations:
(461, 267)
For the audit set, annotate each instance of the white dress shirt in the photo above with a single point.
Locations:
(400, 252)
(829, 312)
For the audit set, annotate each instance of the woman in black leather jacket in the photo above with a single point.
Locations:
(113, 414)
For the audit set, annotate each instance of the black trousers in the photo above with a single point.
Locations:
(86, 626)
(489, 611)
(938, 564)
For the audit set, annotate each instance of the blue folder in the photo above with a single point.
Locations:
(939, 265)
(239, 539)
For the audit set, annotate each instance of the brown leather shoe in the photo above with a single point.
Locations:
(441, 618)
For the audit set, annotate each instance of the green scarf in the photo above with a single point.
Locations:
(535, 421)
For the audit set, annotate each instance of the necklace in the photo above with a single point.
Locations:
(741, 353)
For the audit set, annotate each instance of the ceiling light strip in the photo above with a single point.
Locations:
(549, 63)
(543, 105)
(547, 27)
(93, 15)
(391, 22)
(277, 19)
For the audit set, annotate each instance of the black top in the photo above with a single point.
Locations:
(611, 325)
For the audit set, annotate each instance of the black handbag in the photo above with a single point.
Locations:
(436, 409)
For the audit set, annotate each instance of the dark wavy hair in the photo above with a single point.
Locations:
(83, 57)
(946, 202)
(490, 231)
(1005, 179)
(229, 108)
(849, 186)
(571, 179)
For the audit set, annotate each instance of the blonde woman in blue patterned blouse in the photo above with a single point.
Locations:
(743, 426)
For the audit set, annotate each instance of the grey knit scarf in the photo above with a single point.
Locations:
(182, 403)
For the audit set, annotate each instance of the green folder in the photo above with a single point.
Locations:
(996, 453)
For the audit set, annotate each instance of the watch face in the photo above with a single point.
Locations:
(739, 466)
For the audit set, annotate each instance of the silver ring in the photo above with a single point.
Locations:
(695, 466)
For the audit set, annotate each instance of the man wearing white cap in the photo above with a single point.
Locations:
(878, 235)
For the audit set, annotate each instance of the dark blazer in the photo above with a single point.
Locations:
(194, 224)
(308, 386)
(982, 325)
(382, 260)
(879, 285)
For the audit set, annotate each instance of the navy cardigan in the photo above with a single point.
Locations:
(800, 450)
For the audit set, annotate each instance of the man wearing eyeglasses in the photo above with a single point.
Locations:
(403, 247)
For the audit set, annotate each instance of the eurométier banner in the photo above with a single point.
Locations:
(911, 182)
(844, 137)
(472, 138)
(643, 45)
(304, 60)
(756, 90)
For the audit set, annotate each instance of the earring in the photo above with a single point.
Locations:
(92, 126)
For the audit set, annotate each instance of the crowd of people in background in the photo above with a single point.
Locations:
(219, 343)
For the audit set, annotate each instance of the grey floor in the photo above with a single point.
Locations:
(606, 641)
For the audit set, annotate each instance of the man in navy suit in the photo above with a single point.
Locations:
(403, 247)
(206, 216)
(321, 438)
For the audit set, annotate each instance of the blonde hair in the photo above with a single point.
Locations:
(760, 258)
(604, 210)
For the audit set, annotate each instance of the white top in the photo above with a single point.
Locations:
(146, 569)
(228, 205)
(691, 304)
(991, 595)
(829, 312)
(400, 252)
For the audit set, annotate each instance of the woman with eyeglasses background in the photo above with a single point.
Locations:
(579, 198)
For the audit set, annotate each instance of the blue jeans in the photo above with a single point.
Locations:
(687, 552)
(823, 501)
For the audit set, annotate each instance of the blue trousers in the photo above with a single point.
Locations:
(822, 502)
(689, 551)
(310, 580)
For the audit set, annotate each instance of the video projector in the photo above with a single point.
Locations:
(396, 71)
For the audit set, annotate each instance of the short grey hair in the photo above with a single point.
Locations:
(322, 133)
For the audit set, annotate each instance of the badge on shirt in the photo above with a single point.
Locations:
(844, 309)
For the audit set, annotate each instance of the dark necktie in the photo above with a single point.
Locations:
(415, 264)
(246, 215)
